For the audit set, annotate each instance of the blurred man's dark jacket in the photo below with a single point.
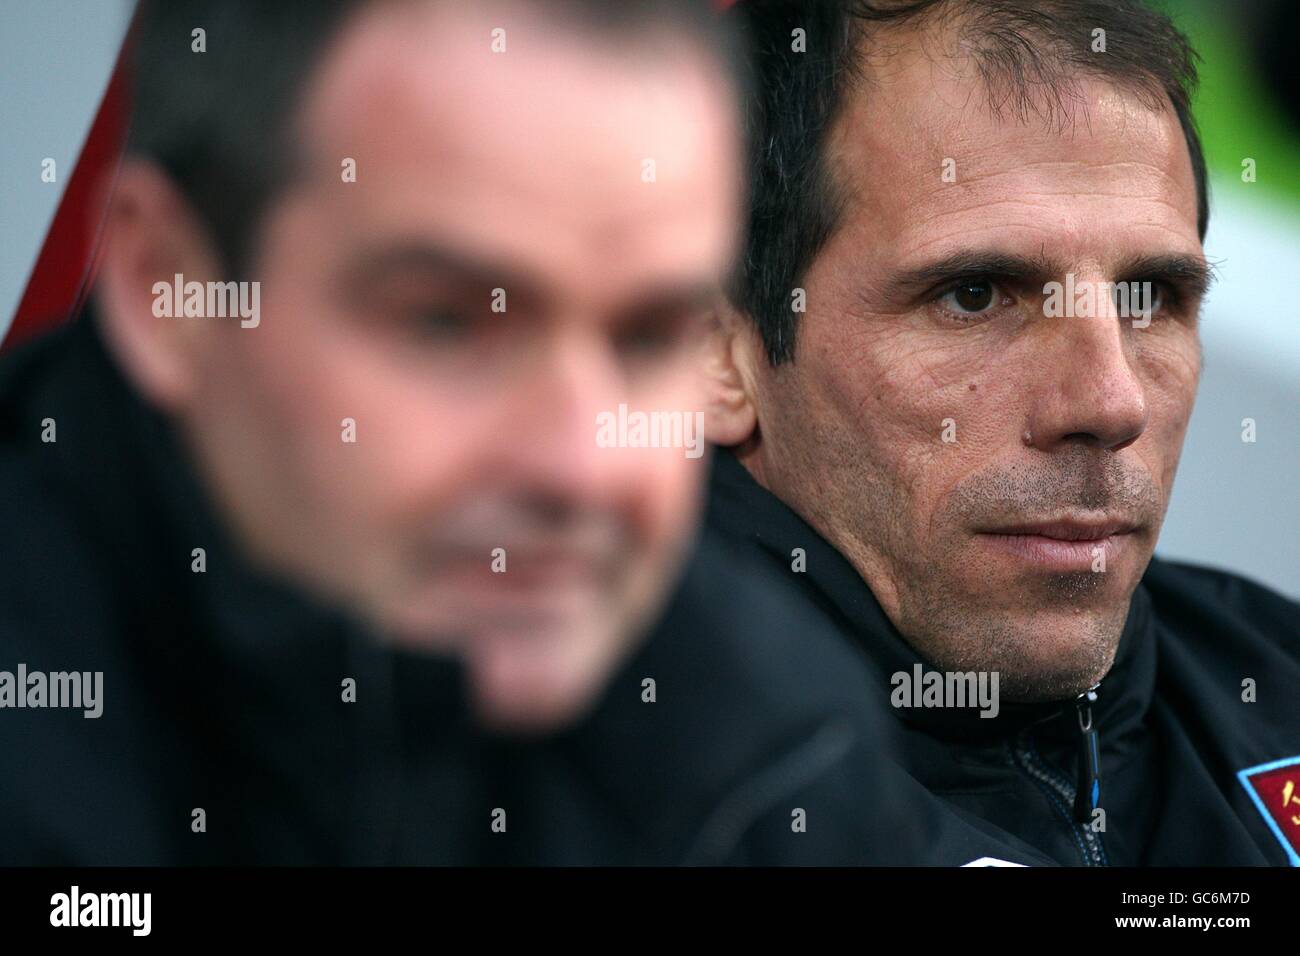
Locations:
(222, 691)
(1190, 772)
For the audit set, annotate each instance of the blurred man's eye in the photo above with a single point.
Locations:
(439, 323)
(658, 338)
(646, 340)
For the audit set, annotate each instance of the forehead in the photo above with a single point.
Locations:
(539, 153)
(1097, 169)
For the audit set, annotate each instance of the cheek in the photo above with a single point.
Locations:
(670, 489)
(905, 397)
(367, 438)
(1170, 367)
(1170, 364)
(667, 484)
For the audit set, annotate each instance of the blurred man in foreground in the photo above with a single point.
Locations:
(310, 538)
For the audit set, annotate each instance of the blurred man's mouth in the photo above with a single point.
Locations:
(1064, 544)
(515, 571)
(514, 588)
(451, 601)
(502, 566)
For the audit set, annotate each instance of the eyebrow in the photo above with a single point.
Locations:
(521, 283)
(441, 258)
(968, 264)
(668, 301)
(1191, 273)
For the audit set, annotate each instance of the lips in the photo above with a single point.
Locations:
(1070, 529)
(501, 572)
(1063, 544)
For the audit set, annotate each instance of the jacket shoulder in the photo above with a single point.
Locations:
(53, 581)
(1201, 586)
(1223, 614)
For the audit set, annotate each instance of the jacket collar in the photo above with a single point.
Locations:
(748, 514)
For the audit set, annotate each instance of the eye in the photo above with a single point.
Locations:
(658, 335)
(440, 323)
(971, 297)
(1140, 297)
(646, 339)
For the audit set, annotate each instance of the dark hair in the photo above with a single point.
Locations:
(1025, 50)
(221, 125)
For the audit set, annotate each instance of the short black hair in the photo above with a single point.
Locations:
(221, 125)
(1024, 50)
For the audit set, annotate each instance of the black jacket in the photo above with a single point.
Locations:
(1190, 773)
(222, 693)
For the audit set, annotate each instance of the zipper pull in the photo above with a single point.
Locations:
(1087, 793)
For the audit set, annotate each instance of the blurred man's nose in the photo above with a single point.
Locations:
(549, 442)
(1090, 389)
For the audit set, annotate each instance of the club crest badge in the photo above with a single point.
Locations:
(1275, 788)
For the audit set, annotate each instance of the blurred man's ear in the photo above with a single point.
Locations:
(151, 235)
(731, 417)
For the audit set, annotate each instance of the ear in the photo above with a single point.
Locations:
(151, 235)
(731, 416)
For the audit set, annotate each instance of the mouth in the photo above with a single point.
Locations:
(510, 574)
(541, 592)
(507, 560)
(1064, 544)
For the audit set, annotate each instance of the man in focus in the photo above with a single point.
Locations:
(973, 477)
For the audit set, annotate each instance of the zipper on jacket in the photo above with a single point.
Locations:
(1075, 803)
(1087, 792)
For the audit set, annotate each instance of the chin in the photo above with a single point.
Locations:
(546, 677)
(1078, 653)
(526, 715)
(532, 694)
(1043, 651)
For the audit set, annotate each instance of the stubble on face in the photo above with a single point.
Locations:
(850, 432)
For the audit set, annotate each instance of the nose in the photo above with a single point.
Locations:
(1090, 392)
(549, 446)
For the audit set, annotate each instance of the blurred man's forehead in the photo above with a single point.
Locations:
(453, 81)
(557, 153)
